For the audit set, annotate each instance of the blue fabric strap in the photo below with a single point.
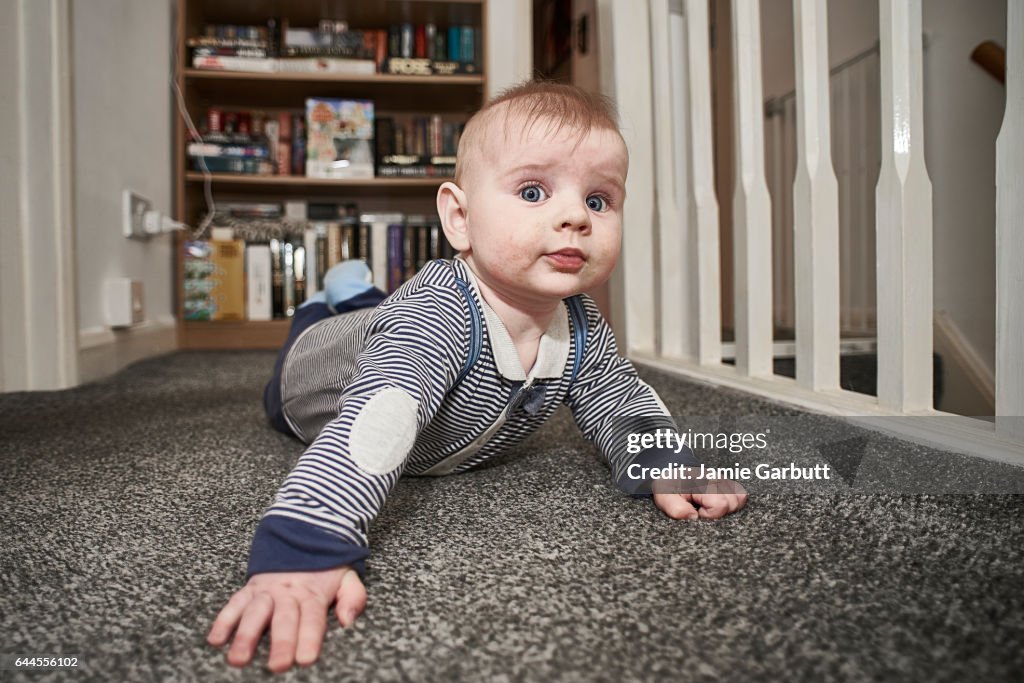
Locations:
(475, 327)
(579, 331)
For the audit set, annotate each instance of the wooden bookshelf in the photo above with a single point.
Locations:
(393, 94)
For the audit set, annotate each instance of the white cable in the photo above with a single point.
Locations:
(207, 177)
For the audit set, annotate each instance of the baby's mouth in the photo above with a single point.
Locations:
(567, 260)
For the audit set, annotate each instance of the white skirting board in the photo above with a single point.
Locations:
(953, 433)
(103, 351)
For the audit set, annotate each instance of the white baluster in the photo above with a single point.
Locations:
(789, 146)
(751, 203)
(702, 204)
(629, 53)
(1010, 236)
(674, 315)
(904, 218)
(815, 206)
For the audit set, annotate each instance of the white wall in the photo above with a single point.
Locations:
(852, 29)
(121, 62)
(963, 110)
(509, 43)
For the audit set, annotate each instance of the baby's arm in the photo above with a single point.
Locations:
(295, 606)
(609, 400)
(309, 548)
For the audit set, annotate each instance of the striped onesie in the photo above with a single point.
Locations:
(430, 383)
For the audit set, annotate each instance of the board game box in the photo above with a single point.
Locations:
(339, 142)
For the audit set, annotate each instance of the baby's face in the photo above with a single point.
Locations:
(544, 216)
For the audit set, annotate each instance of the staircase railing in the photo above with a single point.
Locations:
(856, 158)
(670, 316)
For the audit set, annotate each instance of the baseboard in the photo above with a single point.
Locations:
(940, 430)
(960, 357)
(104, 351)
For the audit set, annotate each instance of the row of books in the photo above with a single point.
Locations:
(235, 278)
(332, 46)
(333, 138)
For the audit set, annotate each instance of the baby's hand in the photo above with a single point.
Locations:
(295, 605)
(720, 498)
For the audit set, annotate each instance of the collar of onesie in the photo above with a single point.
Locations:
(554, 343)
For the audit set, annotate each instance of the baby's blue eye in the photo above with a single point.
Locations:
(533, 193)
(596, 202)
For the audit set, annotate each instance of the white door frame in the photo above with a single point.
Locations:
(38, 317)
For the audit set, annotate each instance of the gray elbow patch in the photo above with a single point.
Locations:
(384, 431)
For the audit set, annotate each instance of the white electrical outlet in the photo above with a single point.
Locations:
(133, 213)
(124, 302)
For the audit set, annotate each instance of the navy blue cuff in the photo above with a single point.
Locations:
(283, 544)
(638, 484)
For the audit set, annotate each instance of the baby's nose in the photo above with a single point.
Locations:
(575, 216)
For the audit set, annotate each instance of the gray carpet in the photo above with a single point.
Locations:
(128, 506)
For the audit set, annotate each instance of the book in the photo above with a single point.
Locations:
(259, 302)
(416, 166)
(228, 278)
(407, 66)
(440, 45)
(298, 271)
(218, 164)
(214, 149)
(331, 65)
(266, 210)
(227, 63)
(339, 140)
(411, 66)
(321, 254)
(333, 231)
(197, 300)
(407, 45)
(455, 43)
(298, 137)
(232, 51)
(374, 231)
(384, 137)
(396, 256)
(430, 41)
(313, 282)
(420, 41)
(415, 245)
(330, 41)
(277, 277)
(467, 51)
(365, 252)
(394, 40)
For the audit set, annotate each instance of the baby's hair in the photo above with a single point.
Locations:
(558, 105)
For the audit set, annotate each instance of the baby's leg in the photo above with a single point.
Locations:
(306, 315)
(346, 288)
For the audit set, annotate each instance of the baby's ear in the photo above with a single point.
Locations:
(452, 208)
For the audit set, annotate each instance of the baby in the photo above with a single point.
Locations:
(464, 360)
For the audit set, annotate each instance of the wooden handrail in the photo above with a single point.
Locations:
(992, 58)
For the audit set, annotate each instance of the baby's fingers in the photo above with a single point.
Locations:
(284, 630)
(228, 618)
(716, 505)
(312, 628)
(675, 505)
(351, 598)
(254, 622)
